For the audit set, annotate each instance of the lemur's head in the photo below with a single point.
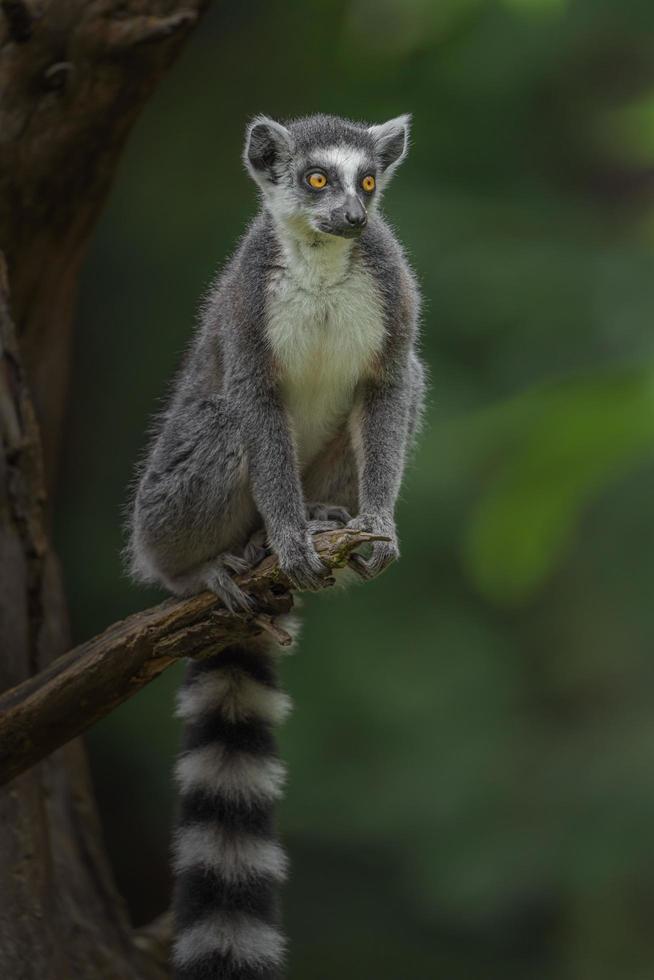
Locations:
(323, 175)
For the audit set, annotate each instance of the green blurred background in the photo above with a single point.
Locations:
(472, 751)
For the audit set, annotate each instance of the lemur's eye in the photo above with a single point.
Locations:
(368, 183)
(317, 180)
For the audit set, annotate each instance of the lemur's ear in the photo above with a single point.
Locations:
(267, 149)
(392, 142)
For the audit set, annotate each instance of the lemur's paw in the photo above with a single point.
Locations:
(363, 522)
(300, 562)
(235, 563)
(383, 553)
(220, 580)
(326, 517)
(327, 512)
(256, 549)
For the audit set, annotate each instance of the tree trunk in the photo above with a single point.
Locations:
(73, 76)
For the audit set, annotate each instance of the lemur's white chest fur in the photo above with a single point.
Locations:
(325, 325)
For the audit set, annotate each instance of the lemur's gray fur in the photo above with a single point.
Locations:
(295, 406)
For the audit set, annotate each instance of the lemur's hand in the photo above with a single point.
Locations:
(300, 562)
(384, 553)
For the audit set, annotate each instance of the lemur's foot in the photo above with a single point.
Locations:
(219, 579)
(221, 573)
(326, 517)
(256, 549)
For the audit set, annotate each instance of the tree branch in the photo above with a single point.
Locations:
(85, 684)
(126, 34)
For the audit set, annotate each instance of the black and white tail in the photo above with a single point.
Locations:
(228, 862)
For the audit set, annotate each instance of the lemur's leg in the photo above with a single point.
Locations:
(194, 512)
(216, 575)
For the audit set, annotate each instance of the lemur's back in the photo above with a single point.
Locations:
(295, 407)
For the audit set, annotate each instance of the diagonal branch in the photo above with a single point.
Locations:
(87, 683)
(129, 33)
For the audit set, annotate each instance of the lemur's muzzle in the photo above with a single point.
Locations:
(349, 220)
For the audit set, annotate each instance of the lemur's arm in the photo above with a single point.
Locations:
(382, 436)
(390, 400)
(276, 487)
(272, 462)
(380, 430)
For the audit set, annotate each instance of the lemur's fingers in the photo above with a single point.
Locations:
(364, 522)
(256, 549)
(384, 553)
(314, 527)
(235, 563)
(254, 554)
(340, 514)
(360, 566)
(220, 581)
(333, 513)
(304, 568)
(303, 577)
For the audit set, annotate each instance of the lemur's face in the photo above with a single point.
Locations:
(322, 176)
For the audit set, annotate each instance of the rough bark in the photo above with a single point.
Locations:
(73, 77)
(76, 690)
(60, 914)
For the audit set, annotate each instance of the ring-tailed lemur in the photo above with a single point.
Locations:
(296, 405)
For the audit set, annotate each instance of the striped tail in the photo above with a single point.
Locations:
(228, 863)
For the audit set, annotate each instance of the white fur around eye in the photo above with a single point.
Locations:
(347, 162)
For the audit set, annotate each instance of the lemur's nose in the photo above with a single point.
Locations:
(357, 218)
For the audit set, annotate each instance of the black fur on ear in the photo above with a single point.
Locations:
(267, 149)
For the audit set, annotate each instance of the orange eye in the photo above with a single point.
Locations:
(317, 181)
(368, 183)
